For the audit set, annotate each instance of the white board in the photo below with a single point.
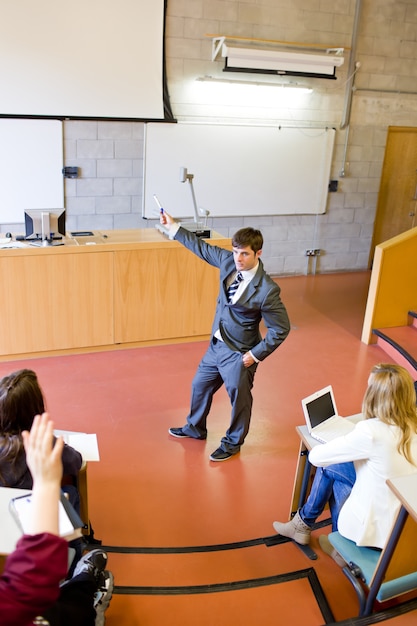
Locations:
(31, 162)
(238, 170)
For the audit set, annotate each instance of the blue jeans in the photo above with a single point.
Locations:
(332, 485)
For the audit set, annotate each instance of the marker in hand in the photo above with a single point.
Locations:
(162, 216)
(161, 210)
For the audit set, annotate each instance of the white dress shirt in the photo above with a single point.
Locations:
(247, 276)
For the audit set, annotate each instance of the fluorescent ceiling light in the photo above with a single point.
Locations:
(253, 83)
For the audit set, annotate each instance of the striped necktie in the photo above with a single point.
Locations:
(233, 287)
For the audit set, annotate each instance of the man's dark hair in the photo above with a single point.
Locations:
(248, 237)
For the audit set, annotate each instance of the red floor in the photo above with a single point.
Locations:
(152, 491)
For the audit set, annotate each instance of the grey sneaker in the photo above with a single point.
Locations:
(93, 562)
(102, 597)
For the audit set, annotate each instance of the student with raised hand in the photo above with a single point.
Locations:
(352, 470)
(32, 573)
(30, 585)
(21, 398)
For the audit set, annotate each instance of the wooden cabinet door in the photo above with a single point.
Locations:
(397, 199)
(163, 294)
(55, 301)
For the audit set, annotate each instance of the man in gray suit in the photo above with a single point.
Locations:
(247, 296)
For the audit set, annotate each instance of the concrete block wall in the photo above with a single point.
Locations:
(108, 194)
(385, 94)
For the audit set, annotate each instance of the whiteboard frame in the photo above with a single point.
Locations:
(238, 170)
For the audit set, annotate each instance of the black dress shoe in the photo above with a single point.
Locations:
(177, 432)
(180, 434)
(221, 455)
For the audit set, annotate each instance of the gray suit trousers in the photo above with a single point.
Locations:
(221, 365)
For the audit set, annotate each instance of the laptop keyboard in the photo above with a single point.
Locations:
(328, 434)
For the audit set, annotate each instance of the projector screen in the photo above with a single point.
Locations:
(83, 59)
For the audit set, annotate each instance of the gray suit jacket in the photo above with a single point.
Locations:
(239, 323)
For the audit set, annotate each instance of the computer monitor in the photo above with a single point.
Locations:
(44, 224)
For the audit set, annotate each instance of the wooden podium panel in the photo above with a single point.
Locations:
(55, 301)
(113, 288)
(163, 293)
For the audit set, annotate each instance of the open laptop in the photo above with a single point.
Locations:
(322, 419)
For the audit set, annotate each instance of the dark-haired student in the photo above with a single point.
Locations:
(31, 587)
(247, 296)
(21, 398)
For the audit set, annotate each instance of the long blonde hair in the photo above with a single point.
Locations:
(391, 397)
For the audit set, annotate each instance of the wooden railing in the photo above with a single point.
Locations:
(393, 286)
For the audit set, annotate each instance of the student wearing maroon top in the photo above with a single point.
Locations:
(31, 584)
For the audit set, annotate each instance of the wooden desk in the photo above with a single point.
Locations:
(10, 531)
(304, 472)
(405, 488)
(398, 556)
(112, 289)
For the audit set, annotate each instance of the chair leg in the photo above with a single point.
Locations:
(353, 573)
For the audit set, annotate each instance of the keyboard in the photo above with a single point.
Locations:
(332, 432)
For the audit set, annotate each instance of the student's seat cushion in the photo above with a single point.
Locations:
(366, 559)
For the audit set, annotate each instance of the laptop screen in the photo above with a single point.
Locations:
(320, 409)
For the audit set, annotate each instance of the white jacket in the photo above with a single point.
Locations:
(368, 514)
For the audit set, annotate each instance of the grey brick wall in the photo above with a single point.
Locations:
(385, 94)
(108, 192)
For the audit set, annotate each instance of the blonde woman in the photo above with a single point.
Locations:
(352, 470)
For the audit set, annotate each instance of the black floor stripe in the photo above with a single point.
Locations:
(380, 616)
(268, 541)
(320, 597)
(214, 587)
(309, 573)
(273, 540)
